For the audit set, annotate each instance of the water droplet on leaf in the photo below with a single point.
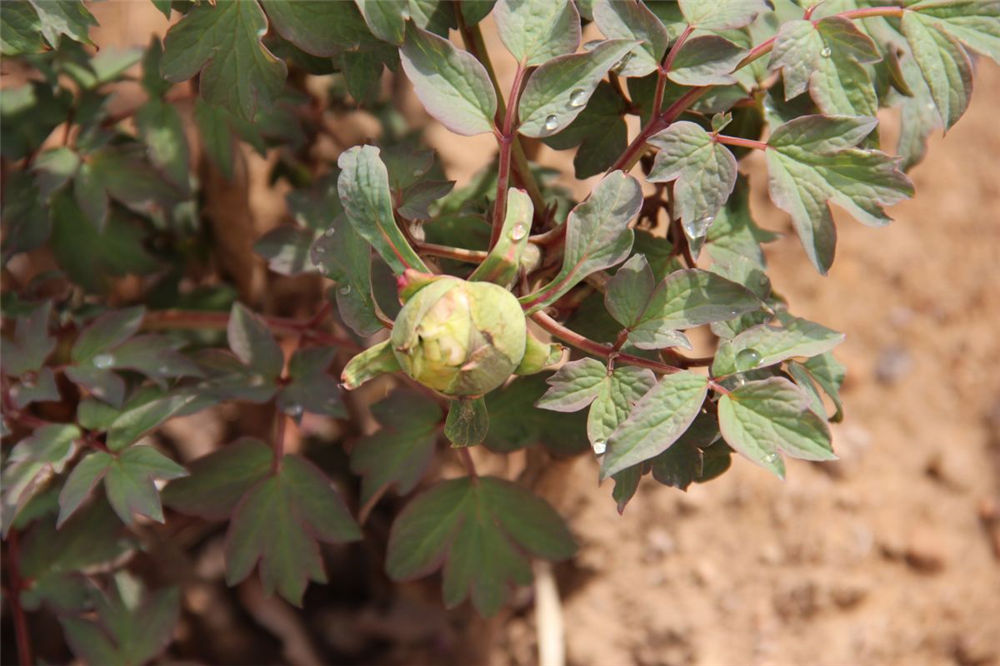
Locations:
(256, 379)
(103, 361)
(771, 458)
(295, 411)
(747, 359)
(345, 290)
(600, 446)
(329, 232)
(826, 52)
(578, 98)
(28, 380)
(518, 232)
(551, 122)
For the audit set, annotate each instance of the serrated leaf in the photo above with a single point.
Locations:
(685, 299)
(764, 418)
(31, 344)
(704, 171)
(219, 480)
(706, 60)
(363, 186)
(597, 236)
(401, 450)
(223, 42)
(64, 17)
(765, 345)
(253, 343)
(616, 396)
(630, 19)
(574, 386)
(516, 423)
(812, 162)
(535, 31)
(945, 65)
(721, 14)
(657, 420)
(318, 28)
(128, 482)
(558, 91)
(32, 463)
(479, 529)
(976, 23)
(132, 424)
(280, 522)
(827, 57)
(311, 388)
(452, 85)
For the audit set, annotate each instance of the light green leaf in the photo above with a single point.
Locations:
(368, 364)
(32, 463)
(535, 31)
(20, 29)
(812, 162)
(616, 396)
(597, 236)
(944, 64)
(220, 479)
(828, 372)
(657, 420)
(975, 23)
(627, 293)
(630, 19)
(482, 531)
(363, 186)
(721, 14)
(574, 386)
(706, 60)
(452, 85)
(279, 523)
(704, 171)
(765, 345)
(223, 42)
(762, 419)
(385, 18)
(128, 482)
(558, 91)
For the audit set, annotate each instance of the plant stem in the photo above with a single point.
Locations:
(447, 252)
(506, 141)
(163, 320)
(627, 159)
(668, 62)
(468, 462)
(14, 598)
(740, 142)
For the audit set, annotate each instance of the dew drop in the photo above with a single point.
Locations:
(747, 359)
(771, 458)
(518, 232)
(600, 446)
(826, 52)
(256, 379)
(345, 290)
(163, 370)
(295, 411)
(551, 122)
(103, 361)
(578, 98)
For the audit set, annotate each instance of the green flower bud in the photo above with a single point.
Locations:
(460, 338)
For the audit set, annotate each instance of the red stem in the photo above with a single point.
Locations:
(14, 597)
(740, 142)
(506, 140)
(872, 12)
(672, 54)
(470, 465)
(631, 155)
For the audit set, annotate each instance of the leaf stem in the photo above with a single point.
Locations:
(468, 462)
(668, 61)
(448, 252)
(164, 320)
(506, 140)
(740, 142)
(627, 159)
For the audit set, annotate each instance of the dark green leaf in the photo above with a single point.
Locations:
(64, 17)
(20, 29)
(478, 529)
(279, 522)
(286, 249)
(311, 389)
(733, 235)
(82, 479)
(253, 343)
(134, 423)
(516, 423)
(683, 462)
(35, 387)
(597, 236)
(32, 463)
(128, 482)
(452, 85)
(31, 343)
(222, 41)
(385, 18)
(628, 292)
(220, 479)
(105, 333)
(535, 31)
(721, 14)
(655, 422)
(101, 383)
(467, 423)
(26, 223)
(319, 28)
(599, 130)
(161, 127)
(707, 60)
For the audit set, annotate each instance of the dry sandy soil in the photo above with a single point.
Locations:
(886, 557)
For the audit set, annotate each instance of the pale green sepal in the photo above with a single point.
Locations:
(372, 362)
(467, 422)
(538, 356)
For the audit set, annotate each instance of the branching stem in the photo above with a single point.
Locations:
(506, 140)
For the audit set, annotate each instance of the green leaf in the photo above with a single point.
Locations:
(31, 344)
(630, 19)
(734, 236)
(626, 485)
(253, 343)
(467, 423)
(310, 388)
(20, 29)
(597, 236)
(362, 72)
(35, 387)
(318, 28)
(721, 14)
(503, 262)
(363, 186)
(811, 163)
(574, 386)
(280, 522)
(535, 31)
(216, 135)
(126, 630)
(704, 171)
(764, 345)
(828, 372)
(655, 422)
(627, 293)
(105, 333)
(516, 423)
(401, 450)
(219, 480)
(706, 60)
(132, 424)
(385, 18)
(558, 91)
(762, 419)
(452, 85)
(162, 129)
(223, 42)
(101, 383)
(29, 114)
(128, 482)
(481, 530)
(82, 479)
(684, 462)
(945, 65)
(599, 131)
(685, 299)
(973, 22)
(828, 58)
(286, 250)
(64, 17)
(26, 223)
(32, 463)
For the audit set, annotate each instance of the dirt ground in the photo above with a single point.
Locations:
(886, 557)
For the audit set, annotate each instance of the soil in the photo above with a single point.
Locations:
(889, 556)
